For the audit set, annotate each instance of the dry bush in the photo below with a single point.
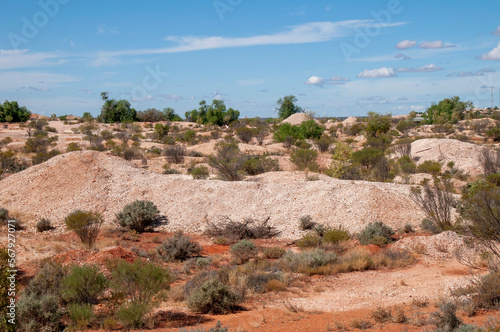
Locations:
(490, 161)
(381, 315)
(228, 161)
(247, 229)
(179, 248)
(436, 201)
(175, 153)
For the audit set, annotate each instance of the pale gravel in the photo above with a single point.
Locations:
(464, 155)
(99, 181)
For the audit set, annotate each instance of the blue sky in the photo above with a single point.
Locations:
(339, 58)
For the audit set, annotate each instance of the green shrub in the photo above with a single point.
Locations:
(309, 240)
(39, 305)
(39, 313)
(244, 134)
(212, 297)
(306, 223)
(407, 165)
(86, 225)
(73, 146)
(5, 284)
(368, 157)
(254, 165)
(336, 235)
(304, 158)
(199, 172)
(374, 230)
(138, 215)
(43, 225)
(139, 281)
(81, 315)
(306, 130)
(84, 284)
(311, 259)
(179, 247)
(243, 251)
(494, 178)
(488, 291)
(273, 252)
(258, 282)
(132, 314)
(429, 166)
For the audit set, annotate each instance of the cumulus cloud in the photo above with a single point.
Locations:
(493, 55)
(320, 81)
(377, 73)
(404, 44)
(436, 44)
(315, 80)
(424, 69)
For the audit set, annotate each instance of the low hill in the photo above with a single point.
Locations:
(102, 182)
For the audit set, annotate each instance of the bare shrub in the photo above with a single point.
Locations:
(247, 229)
(490, 161)
(228, 161)
(436, 201)
(403, 147)
(175, 153)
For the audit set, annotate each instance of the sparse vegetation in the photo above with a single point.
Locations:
(179, 247)
(247, 229)
(86, 225)
(376, 233)
(212, 297)
(138, 215)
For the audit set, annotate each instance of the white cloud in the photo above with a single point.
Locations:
(377, 73)
(148, 97)
(313, 32)
(103, 28)
(315, 80)
(497, 32)
(404, 44)
(424, 69)
(436, 44)
(493, 55)
(14, 59)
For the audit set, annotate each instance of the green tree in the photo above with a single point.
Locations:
(170, 114)
(216, 113)
(11, 112)
(287, 107)
(116, 110)
(378, 124)
(448, 110)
